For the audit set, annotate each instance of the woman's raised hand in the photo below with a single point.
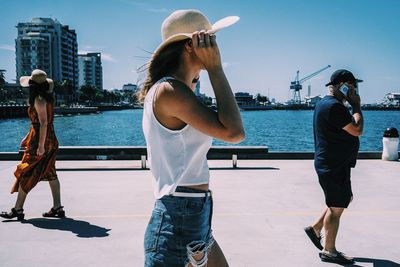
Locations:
(206, 48)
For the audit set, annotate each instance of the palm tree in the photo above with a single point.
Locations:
(87, 93)
(2, 79)
(262, 99)
(64, 90)
(3, 92)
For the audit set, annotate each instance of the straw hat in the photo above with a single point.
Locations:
(37, 76)
(181, 24)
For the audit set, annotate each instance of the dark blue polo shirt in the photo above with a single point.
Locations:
(334, 147)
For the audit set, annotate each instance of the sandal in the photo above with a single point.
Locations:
(14, 213)
(55, 213)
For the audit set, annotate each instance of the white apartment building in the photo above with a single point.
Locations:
(44, 43)
(90, 70)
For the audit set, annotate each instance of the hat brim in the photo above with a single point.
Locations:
(223, 23)
(357, 80)
(220, 24)
(24, 82)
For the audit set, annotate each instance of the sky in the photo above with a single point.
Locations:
(260, 54)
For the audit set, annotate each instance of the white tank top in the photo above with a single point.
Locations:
(176, 157)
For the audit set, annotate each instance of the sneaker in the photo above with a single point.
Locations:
(335, 257)
(313, 237)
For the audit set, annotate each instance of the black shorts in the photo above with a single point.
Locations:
(337, 187)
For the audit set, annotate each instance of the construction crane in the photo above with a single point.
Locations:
(296, 85)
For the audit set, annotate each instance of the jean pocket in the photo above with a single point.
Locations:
(195, 206)
(153, 231)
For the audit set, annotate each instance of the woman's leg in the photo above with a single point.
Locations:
(216, 257)
(55, 192)
(18, 210)
(19, 204)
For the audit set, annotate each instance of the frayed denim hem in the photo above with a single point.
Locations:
(199, 248)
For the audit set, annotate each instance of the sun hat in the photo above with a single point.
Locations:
(37, 76)
(342, 76)
(181, 24)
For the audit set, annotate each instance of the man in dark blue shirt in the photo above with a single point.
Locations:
(336, 141)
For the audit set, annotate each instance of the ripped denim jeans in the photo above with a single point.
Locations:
(179, 231)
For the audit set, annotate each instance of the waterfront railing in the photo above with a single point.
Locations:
(233, 153)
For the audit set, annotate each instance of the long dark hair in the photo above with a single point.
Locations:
(39, 89)
(164, 63)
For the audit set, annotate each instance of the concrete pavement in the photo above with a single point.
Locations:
(260, 210)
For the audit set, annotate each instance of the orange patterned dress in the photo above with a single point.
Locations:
(33, 168)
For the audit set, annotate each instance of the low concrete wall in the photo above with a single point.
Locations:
(10, 156)
(310, 155)
(136, 153)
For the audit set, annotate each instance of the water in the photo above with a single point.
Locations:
(280, 130)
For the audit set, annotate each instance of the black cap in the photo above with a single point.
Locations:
(391, 132)
(342, 76)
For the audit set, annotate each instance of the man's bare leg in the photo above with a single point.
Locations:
(319, 224)
(331, 225)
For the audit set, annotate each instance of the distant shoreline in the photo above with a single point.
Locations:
(305, 107)
(21, 111)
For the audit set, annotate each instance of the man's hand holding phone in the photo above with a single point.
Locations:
(352, 97)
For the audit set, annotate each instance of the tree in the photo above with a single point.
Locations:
(3, 92)
(262, 99)
(2, 79)
(116, 96)
(100, 95)
(87, 93)
(64, 90)
(112, 96)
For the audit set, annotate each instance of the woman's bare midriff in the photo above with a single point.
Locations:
(199, 187)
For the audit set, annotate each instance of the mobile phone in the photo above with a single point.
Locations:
(345, 90)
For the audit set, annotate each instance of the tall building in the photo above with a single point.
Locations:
(46, 44)
(129, 87)
(244, 99)
(90, 70)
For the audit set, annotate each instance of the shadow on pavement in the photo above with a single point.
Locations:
(377, 262)
(80, 228)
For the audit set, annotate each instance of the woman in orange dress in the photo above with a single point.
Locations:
(38, 162)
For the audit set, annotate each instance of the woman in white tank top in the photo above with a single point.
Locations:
(179, 129)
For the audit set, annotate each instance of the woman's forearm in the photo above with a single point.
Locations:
(228, 111)
(42, 134)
